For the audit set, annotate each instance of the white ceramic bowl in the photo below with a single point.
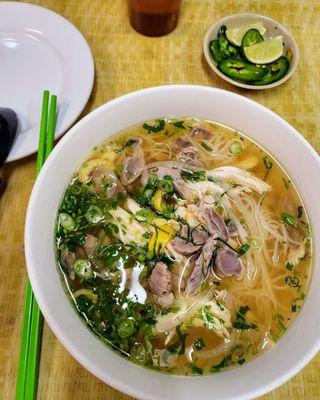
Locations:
(296, 347)
(273, 29)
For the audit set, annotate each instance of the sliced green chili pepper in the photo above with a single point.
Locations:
(276, 71)
(226, 48)
(242, 71)
(215, 51)
(251, 37)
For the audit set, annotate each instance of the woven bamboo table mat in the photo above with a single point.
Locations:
(126, 61)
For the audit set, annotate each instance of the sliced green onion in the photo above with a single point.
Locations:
(126, 328)
(83, 268)
(288, 219)
(166, 184)
(138, 353)
(206, 146)
(286, 183)
(256, 244)
(243, 249)
(267, 162)
(292, 281)
(94, 214)
(86, 292)
(67, 222)
(236, 148)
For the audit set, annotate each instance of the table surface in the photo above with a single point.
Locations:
(126, 61)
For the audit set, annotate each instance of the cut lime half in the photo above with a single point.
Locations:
(235, 34)
(264, 52)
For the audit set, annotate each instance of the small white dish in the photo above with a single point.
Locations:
(40, 50)
(251, 380)
(273, 29)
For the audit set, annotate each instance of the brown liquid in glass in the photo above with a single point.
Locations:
(154, 17)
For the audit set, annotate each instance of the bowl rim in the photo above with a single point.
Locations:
(80, 355)
(212, 65)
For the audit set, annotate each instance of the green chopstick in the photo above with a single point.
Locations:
(32, 319)
(51, 125)
(43, 131)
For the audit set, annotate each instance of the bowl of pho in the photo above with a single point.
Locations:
(175, 254)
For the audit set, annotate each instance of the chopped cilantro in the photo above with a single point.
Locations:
(193, 176)
(281, 327)
(178, 124)
(199, 344)
(243, 249)
(144, 198)
(121, 197)
(157, 126)
(129, 142)
(195, 370)
(179, 346)
(225, 362)
(289, 266)
(240, 322)
(299, 211)
(166, 184)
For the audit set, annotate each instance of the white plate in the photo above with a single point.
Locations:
(41, 50)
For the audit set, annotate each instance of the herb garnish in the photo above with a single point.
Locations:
(288, 219)
(240, 322)
(289, 266)
(156, 127)
(299, 212)
(223, 364)
(178, 124)
(199, 344)
(267, 162)
(281, 327)
(286, 183)
(243, 249)
(83, 208)
(206, 146)
(292, 281)
(129, 142)
(179, 346)
(196, 370)
(193, 176)
(293, 307)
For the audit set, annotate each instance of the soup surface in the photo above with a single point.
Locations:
(184, 246)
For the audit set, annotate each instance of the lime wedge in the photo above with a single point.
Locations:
(264, 52)
(235, 34)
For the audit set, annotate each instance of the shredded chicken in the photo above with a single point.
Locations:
(200, 310)
(240, 177)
